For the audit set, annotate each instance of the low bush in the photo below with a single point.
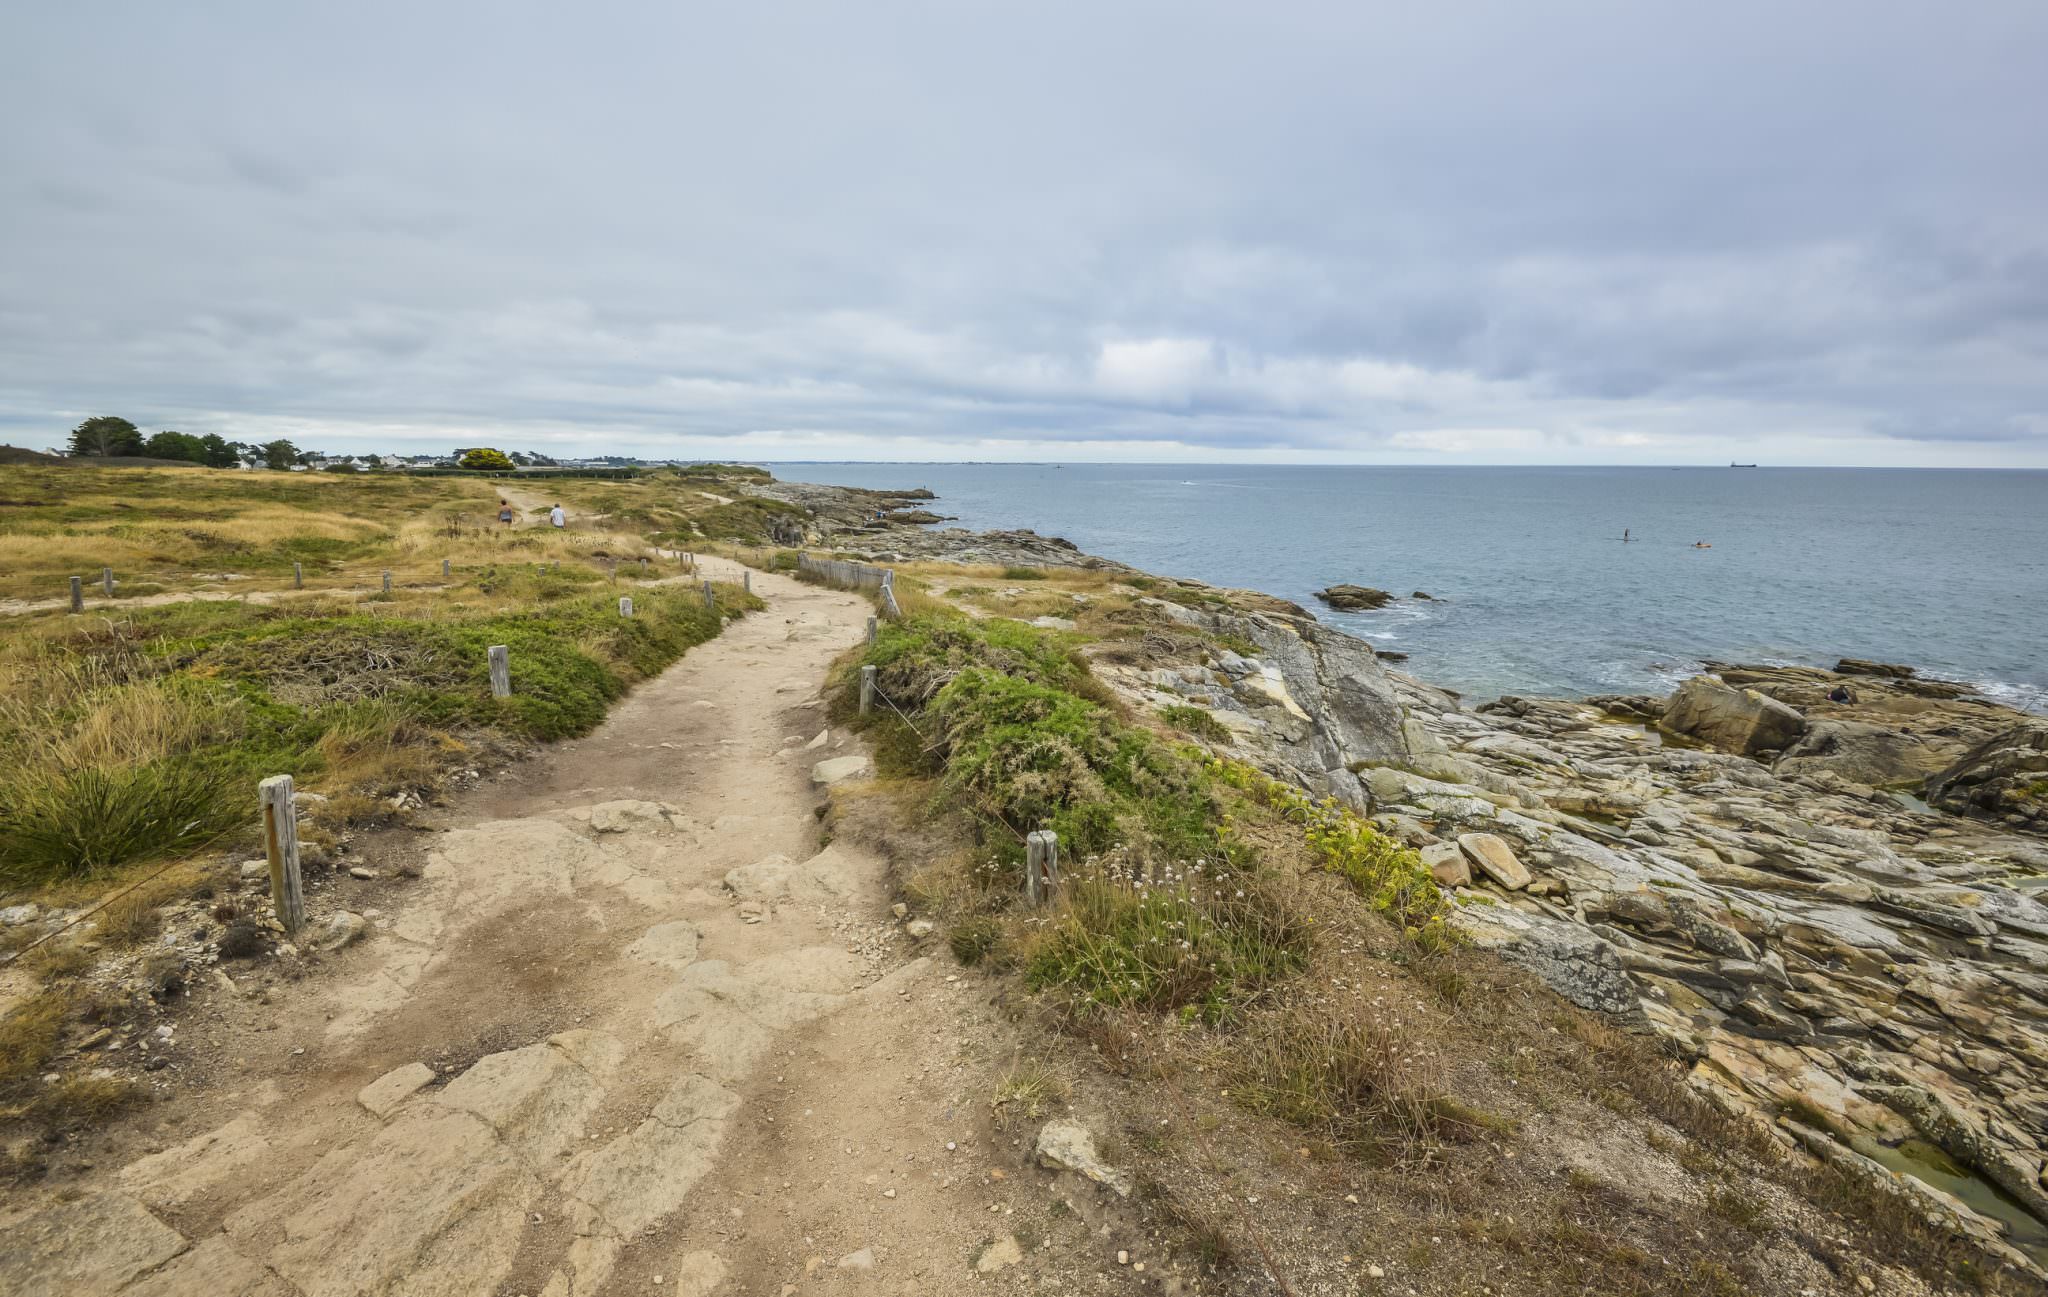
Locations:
(1196, 721)
(1200, 941)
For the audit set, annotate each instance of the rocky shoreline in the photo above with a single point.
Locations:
(1817, 885)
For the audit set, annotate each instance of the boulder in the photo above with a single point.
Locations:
(1864, 754)
(1447, 864)
(2006, 774)
(1742, 721)
(1495, 860)
(1354, 598)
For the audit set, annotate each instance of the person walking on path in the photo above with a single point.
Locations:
(557, 517)
(505, 512)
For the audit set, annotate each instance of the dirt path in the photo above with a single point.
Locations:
(637, 973)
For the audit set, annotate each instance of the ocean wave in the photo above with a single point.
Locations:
(2023, 697)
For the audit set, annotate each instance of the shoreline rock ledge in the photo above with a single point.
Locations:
(1354, 598)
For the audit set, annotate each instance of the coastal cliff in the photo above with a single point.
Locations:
(1746, 869)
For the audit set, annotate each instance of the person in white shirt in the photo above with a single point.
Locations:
(557, 517)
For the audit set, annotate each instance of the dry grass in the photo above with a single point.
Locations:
(29, 1036)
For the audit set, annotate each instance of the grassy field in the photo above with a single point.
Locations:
(132, 737)
(1263, 994)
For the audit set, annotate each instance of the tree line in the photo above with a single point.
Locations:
(110, 436)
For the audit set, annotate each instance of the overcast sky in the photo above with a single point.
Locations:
(1518, 232)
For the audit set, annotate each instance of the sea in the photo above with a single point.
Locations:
(1533, 589)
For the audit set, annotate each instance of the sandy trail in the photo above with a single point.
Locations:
(659, 978)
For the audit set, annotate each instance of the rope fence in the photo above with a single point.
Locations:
(845, 574)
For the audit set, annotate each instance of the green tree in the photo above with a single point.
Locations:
(106, 434)
(219, 453)
(485, 458)
(175, 445)
(279, 454)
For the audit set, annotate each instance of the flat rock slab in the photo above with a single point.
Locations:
(1494, 859)
(435, 1203)
(672, 946)
(86, 1248)
(394, 1087)
(167, 1180)
(213, 1269)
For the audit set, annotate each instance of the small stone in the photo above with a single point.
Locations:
(255, 869)
(838, 769)
(900, 910)
(999, 1255)
(1375, 1272)
(861, 1260)
(358, 871)
(888, 1193)
(1123, 1257)
(338, 930)
(1067, 1146)
(919, 928)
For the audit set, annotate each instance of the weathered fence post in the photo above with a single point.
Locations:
(867, 689)
(77, 594)
(501, 671)
(871, 632)
(444, 569)
(107, 581)
(281, 846)
(387, 583)
(643, 566)
(1041, 866)
(747, 582)
(709, 602)
(625, 605)
(298, 577)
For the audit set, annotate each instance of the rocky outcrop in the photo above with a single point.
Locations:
(1742, 721)
(1311, 704)
(2004, 776)
(1862, 753)
(1354, 598)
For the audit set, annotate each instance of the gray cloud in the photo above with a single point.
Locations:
(1600, 231)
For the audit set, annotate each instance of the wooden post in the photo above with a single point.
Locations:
(387, 583)
(867, 689)
(281, 845)
(871, 632)
(1041, 866)
(501, 671)
(298, 577)
(747, 582)
(444, 569)
(625, 605)
(709, 602)
(643, 567)
(77, 594)
(107, 581)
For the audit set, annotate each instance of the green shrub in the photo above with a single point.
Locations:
(1016, 573)
(1202, 944)
(1197, 721)
(57, 823)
